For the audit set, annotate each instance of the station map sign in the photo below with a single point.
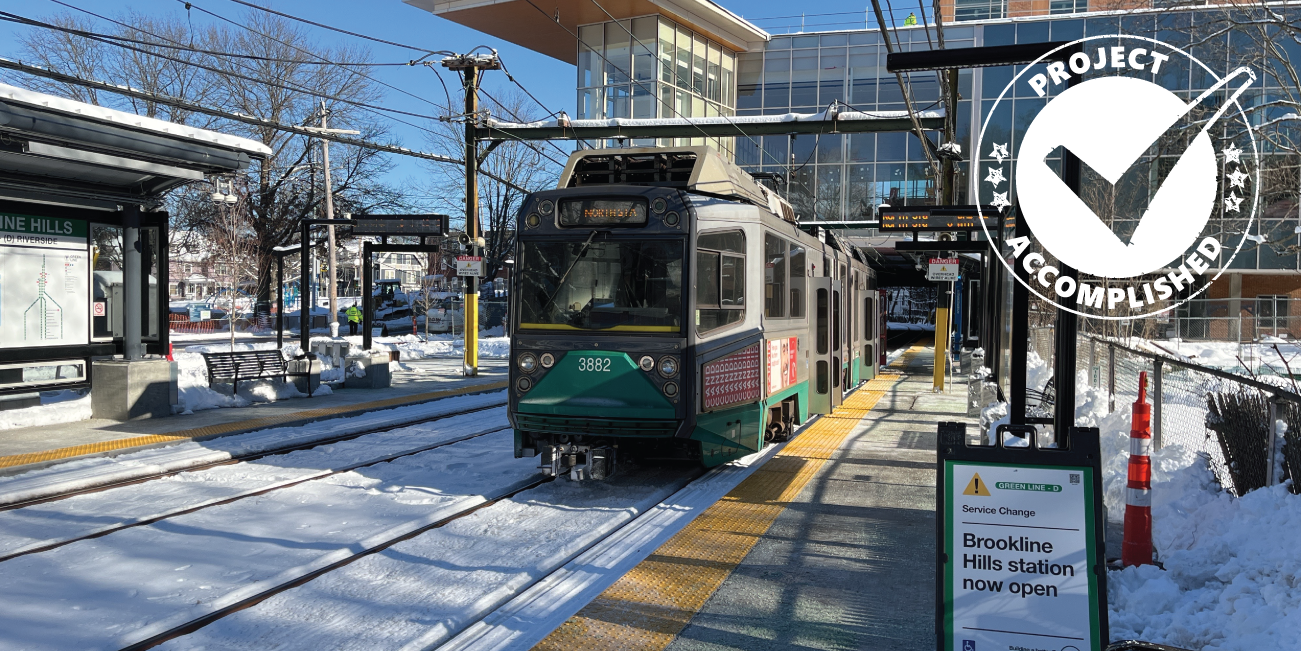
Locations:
(1019, 549)
(44, 281)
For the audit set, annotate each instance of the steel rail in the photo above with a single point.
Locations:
(242, 458)
(262, 491)
(200, 622)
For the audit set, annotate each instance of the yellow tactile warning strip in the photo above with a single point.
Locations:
(237, 426)
(647, 608)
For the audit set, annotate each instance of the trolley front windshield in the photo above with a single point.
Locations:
(625, 286)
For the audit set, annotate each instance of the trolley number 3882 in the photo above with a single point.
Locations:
(594, 364)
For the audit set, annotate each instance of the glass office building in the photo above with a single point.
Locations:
(837, 177)
(652, 67)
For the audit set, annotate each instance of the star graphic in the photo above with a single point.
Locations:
(1000, 153)
(1236, 178)
(1000, 200)
(996, 176)
(1232, 201)
(1232, 154)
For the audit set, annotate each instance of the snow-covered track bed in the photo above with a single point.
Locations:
(141, 586)
(51, 525)
(421, 592)
(501, 578)
(89, 475)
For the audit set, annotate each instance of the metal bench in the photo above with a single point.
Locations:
(234, 367)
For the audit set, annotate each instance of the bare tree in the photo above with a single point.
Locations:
(285, 84)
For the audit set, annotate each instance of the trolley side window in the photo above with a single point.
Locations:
(720, 284)
(797, 293)
(774, 274)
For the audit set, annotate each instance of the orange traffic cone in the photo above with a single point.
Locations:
(1137, 547)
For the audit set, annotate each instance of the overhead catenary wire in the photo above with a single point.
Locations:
(293, 88)
(537, 101)
(530, 145)
(236, 117)
(336, 29)
(314, 55)
(14, 18)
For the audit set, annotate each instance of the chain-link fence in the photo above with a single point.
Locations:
(1247, 428)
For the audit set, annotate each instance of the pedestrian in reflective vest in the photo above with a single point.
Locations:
(354, 318)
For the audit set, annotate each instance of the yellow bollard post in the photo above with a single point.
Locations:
(941, 347)
(472, 333)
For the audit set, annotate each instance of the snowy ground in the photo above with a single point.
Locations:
(1249, 358)
(1230, 564)
(136, 583)
(57, 407)
(196, 395)
(42, 525)
(917, 327)
(420, 592)
(97, 471)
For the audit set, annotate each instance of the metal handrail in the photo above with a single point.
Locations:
(1277, 391)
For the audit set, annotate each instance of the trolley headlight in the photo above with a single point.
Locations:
(527, 362)
(671, 219)
(659, 205)
(532, 221)
(548, 360)
(647, 363)
(671, 389)
(668, 366)
(546, 207)
(524, 384)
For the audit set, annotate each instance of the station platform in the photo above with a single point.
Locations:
(28, 448)
(829, 545)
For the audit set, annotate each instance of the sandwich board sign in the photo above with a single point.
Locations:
(1020, 545)
(942, 270)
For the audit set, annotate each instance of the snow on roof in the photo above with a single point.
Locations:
(739, 120)
(131, 120)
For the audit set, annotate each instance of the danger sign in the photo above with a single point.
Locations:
(943, 270)
(469, 265)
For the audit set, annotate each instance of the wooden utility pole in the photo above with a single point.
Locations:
(329, 214)
(470, 66)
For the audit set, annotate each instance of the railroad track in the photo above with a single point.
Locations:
(104, 531)
(243, 458)
(248, 602)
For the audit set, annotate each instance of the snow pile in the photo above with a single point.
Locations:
(1230, 578)
(413, 347)
(918, 327)
(56, 407)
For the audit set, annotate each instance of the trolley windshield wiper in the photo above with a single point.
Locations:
(561, 285)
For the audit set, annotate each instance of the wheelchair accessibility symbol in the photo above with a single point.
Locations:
(968, 645)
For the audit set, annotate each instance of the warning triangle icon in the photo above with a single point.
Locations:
(977, 487)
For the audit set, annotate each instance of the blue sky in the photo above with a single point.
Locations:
(551, 81)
